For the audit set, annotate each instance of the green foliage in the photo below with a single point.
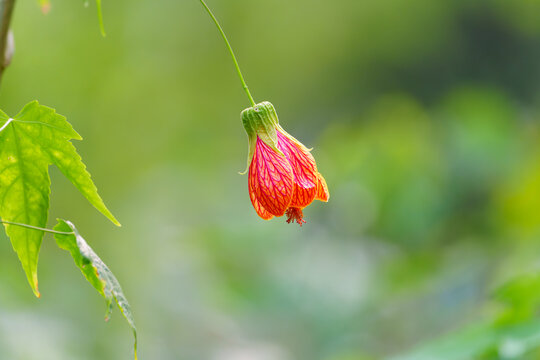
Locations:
(481, 341)
(512, 332)
(520, 298)
(95, 271)
(29, 143)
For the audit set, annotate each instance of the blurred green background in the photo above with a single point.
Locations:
(424, 117)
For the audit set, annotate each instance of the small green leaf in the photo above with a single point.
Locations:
(29, 143)
(95, 271)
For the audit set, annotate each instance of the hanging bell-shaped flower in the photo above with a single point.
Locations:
(283, 176)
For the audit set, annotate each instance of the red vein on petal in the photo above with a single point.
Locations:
(271, 179)
(259, 209)
(304, 170)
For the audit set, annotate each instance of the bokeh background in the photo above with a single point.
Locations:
(423, 115)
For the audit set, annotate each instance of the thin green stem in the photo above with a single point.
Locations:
(37, 228)
(100, 18)
(244, 85)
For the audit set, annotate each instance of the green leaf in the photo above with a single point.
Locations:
(468, 343)
(513, 331)
(29, 143)
(95, 271)
(509, 342)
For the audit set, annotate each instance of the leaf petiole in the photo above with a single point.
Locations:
(37, 228)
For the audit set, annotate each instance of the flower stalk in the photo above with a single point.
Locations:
(244, 85)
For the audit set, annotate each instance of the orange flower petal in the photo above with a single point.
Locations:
(322, 189)
(271, 179)
(304, 170)
(259, 209)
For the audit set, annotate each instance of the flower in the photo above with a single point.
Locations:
(283, 176)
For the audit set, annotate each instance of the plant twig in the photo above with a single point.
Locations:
(6, 10)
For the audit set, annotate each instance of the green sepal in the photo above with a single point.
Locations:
(260, 121)
(252, 141)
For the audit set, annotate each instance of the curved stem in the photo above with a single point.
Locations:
(244, 85)
(37, 228)
(100, 18)
(6, 10)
